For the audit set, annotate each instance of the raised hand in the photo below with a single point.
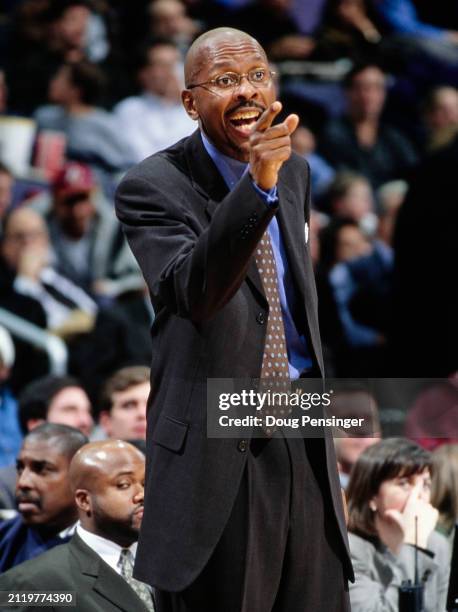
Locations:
(270, 146)
(397, 528)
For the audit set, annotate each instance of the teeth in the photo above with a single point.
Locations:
(245, 115)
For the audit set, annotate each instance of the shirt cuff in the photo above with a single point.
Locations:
(270, 197)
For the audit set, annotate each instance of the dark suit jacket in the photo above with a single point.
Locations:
(73, 567)
(194, 242)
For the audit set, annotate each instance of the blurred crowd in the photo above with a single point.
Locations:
(90, 87)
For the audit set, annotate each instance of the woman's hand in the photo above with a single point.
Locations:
(396, 528)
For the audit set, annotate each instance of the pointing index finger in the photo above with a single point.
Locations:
(265, 120)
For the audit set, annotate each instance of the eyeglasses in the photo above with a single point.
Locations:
(259, 77)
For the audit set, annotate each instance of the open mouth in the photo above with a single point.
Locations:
(243, 120)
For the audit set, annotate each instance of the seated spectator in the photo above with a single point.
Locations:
(390, 519)
(355, 272)
(441, 116)
(22, 306)
(47, 511)
(350, 196)
(169, 21)
(10, 433)
(55, 399)
(45, 34)
(86, 237)
(123, 403)
(342, 240)
(364, 284)
(52, 399)
(444, 488)
(155, 119)
(361, 141)
(26, 266)
(107, 481)
(303, 142)
(93, 134)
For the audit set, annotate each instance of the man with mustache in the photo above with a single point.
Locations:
(47, 511)
(219, 225)
(107, 483)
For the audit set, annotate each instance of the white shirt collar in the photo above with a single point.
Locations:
(109, 551)
(67, 532)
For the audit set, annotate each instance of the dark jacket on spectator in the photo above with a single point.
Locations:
(20, 542)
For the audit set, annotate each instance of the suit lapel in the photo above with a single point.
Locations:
(205, 176)
(207, 180)
(106, 582)
(123, 596)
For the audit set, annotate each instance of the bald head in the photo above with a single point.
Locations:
(108, 479)
(96, 461)
(203, 48)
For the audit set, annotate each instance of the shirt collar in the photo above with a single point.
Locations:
(67, 532)
(230, 169)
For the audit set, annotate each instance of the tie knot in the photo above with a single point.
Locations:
(126, 553)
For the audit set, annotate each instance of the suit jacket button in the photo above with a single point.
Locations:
(261, 318)
(242, 446)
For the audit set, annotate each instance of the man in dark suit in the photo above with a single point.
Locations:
(107, 479)
(231, 525)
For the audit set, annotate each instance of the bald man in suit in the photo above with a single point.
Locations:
(251, 525)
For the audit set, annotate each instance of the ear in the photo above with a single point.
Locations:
(189, 104)
(83, 501)
(373, 505)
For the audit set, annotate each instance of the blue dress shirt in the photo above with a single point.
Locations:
(232, 170)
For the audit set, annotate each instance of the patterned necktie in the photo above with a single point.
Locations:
(126, 565)
(275, 368)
